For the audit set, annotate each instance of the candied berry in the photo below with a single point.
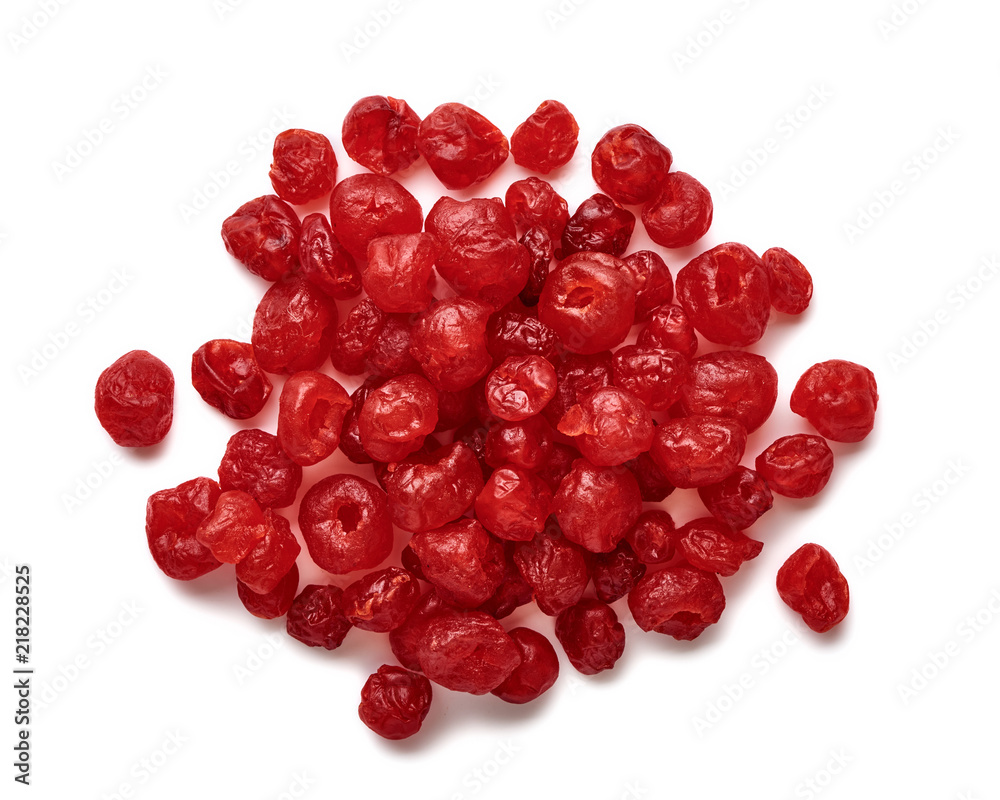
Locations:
(263, 568)
(739, 500)
(389, 355)
(733, 384)
(514, 504)
(811, 584)
(350, 436)
(596, 506)
(449, 343)
(325, 261)
(345, 523)
(380, 133)
(227, 376)
(396, 417)
(294, 326)
(713, 546)
(557, 465)
(591, 635)
(789, 281)
(540, 249)
(394, 702)
(263, 235)
(697, 451)
(404, 640)
(255, 463)
(589, 301)
(796, 466)
(454, 409)
(172, 518)
(272, 604)
(670, 328)
(630, 165)
(514, 333)
(609, 426)
(303, 165)
(533, 203)
(578, 376)
(316, 617)
(473, 435)
(653, 485)
(537, 671)
(654, 285)
(134, 399)
(400, 271)
(311, 415)
(838, 398)
(513, 591)
(677, 601)
(653, 538)
(233, 528)
(554, 568)
(381, 601)
(427, 492)
(725, 294)
(467, 651)
(547, 139)
(520, 387)
(654, 376)
(526, 444)
(356, 336)
(681, 214)
(461, 146)
(462, 561)
(615, 574)
(599, 225)
(364, 207)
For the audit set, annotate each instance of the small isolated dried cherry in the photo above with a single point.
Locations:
(630, 165)
(316, 617)
(681, 214)
(799, 465)
(789, 281)
(547, 139)
(537, 671)
(591, 635)
(303, 166)
(227, 376)
(677, 601)
(461, 146)
(838, 398)
(172, 519)
(263, 235)
(134, 399)
(394, 702)
(380, 133)
(810, 583)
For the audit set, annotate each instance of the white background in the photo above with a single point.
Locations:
(148, 688)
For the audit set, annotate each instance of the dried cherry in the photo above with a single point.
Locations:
(547, 139)
(227, 376)
(838, 398)
(172, 520)
(394, 702)
(591, 635)
(134, 399)
(811, 584)
(263, 235)
(796, 466)
(255, 463)
(380, 133)
(461, 146)
(303, 166)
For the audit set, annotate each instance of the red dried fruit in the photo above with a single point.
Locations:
(461, 146)
(467, 651)
(697, 451)
(512, 593)
(557, 465)
(325, 261)
(533, 203)
(596, 506)
(364, 207)
(669, 328)
(725, 294)
(578, 376)
(547, 139)
(677, 601)
(599, 225)
(294, 326)
(526, 444)
(426, 492)
(380, 133)
(589, 301)
(227, 376)
(554, 568)
(264, 568)
(514, 333)
(591, 635)
(789, 281)
(303, 167)
(713, 546)
(255, 463)
(652, 375)
(681, 214)
(462, 561)
(134, 399)
(381, 601)
(396, 417)
(233, 528)
(389, 355)
(615, 574)
(731, 383)
(796, 466)
(454, 409)
(514, 504)
(540, 249)
(400, 271)
(311, 415)
(520, 387)
(404, 640)
(537, 671)
(739, 500)
(609, 426)
(172, 518)
(811, 584)
(275, 603)
(653, 538)
(394, 702)
(630, 165)
(350, 437)
(263, 235)
(653, 484)
(316, 617)
(838, 398)
(654, 285)
(449, 343)
(356, 337)
(345, 524)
